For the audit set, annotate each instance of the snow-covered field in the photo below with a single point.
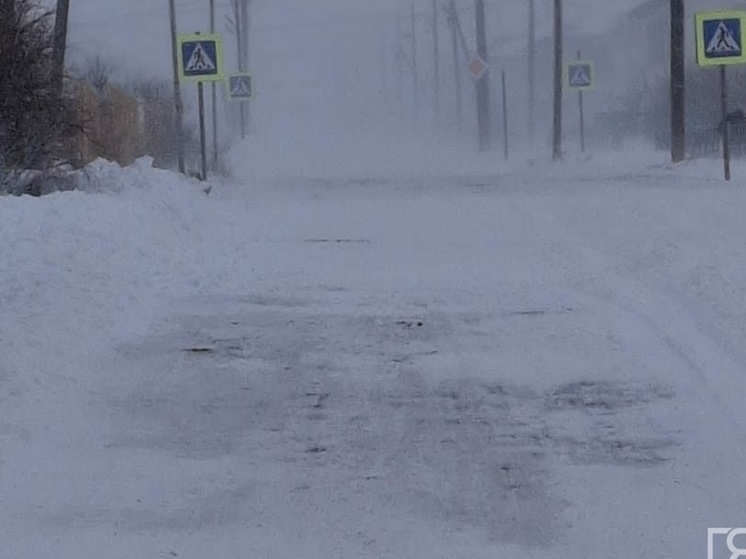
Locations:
(480, 361)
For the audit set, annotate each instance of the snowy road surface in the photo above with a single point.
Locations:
(531, 364)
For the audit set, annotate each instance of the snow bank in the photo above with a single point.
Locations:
(79, 270)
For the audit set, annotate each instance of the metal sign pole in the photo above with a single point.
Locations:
(202, 139)
(202, 135)
(720, 42)
(724, 121)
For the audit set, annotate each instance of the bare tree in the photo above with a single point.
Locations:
(34, 120)
(98, 72)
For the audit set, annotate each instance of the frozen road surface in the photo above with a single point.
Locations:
(535, 363)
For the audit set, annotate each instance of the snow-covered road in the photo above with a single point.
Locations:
(537, 363)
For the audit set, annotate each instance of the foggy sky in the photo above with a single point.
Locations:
(320, 65)
(134, 34)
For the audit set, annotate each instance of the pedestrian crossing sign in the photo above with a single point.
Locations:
(720, 38)
(579, 75)
(200, 58)
(240, 87)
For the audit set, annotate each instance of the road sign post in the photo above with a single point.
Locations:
(720, 42)
(200, 60)
(724, 122)
(202, 139)
(580, 77)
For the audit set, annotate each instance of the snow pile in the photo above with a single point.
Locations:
(79, 269)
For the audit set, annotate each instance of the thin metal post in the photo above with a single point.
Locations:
(724, 120)
(505, 116)
(202, 139)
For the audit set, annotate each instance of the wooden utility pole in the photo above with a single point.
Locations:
(678, 109)
(60, 44)
(581, 112)
(178, 104)
(557, 117)
(415, 78)
(484, 119)
(531, 69)
(214, 100)
(245, 33)
(383, 63)
(456, 65)
(245, 107)
(238, 20)
(399, 71)
(436, 60)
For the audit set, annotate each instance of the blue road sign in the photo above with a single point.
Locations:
(240, 87)
(722, 38)
(200, 58)
(580, 75)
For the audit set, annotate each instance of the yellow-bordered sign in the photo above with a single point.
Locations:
(720, 37)
(200, 58)
(580, 75)
(240, 86)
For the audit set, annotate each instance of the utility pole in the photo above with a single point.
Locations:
(399, 76)
(436, 59)
(678, 108)
(415, 79)
(214, 100)
(60, 45)
(245, 53)
(456, 64)
(484, 119)
(383, 63)
(178, 104)
(238, 20)
(557, 119)
(581, 112)
(531, 69)
(245, 33)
